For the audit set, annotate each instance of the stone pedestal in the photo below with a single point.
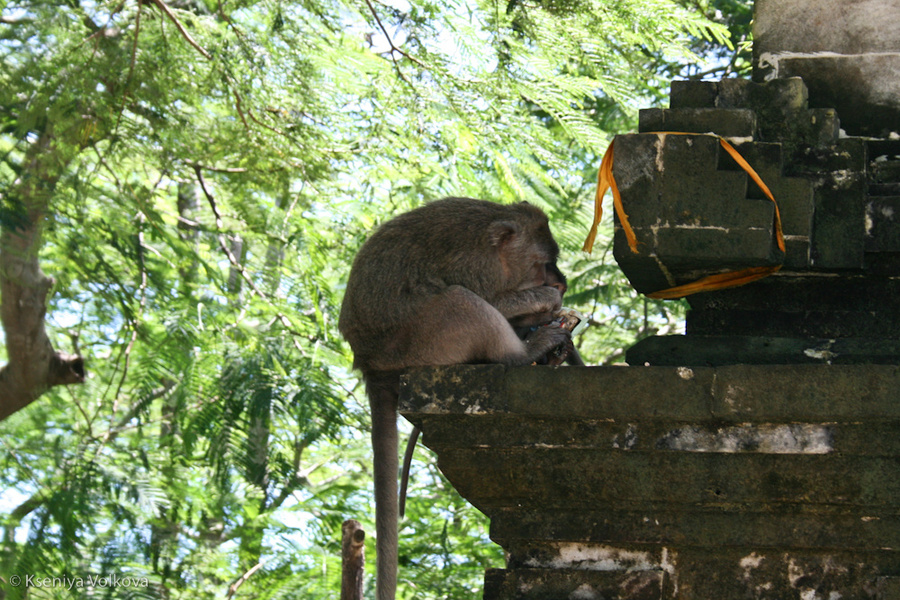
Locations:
(763, 482)
(696, 213)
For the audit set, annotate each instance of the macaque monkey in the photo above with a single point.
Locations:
(438, 286)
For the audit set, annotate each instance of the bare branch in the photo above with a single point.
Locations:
(394, 48)
(141, 305)
(134, 45)
(221, 237)
(233, 588)
(353, 560)
(237, 105)
(209, 197)
(168, 11)
(196, 165)
(11, 21)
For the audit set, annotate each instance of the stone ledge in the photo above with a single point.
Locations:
(767, 393)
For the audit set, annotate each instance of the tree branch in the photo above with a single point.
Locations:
(233, 588)
(196, 165)
(221, 237)
(353, 560)
(168, 12)
(134, 46)
(140, 312)
(11, 21)
(393, 47)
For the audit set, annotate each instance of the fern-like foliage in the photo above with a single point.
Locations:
(217, 166)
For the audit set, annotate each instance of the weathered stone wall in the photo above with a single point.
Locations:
(766, 483)
(695, 213)
(837, 26)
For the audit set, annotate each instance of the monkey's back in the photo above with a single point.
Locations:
(417, 255)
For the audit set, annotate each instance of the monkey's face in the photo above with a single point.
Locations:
(554, 278)
(533, 273)
(525, 248)
(538, 253)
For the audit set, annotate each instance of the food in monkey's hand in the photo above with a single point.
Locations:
(574, 321)
(570, 319)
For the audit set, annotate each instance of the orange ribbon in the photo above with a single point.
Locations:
(605, 181)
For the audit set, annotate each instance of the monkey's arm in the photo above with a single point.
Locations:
(567, 353)
(536, 301)
(457, 326)
(574, 357)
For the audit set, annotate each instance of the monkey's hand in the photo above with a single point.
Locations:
(544, 339)
(541, 302)
(567, 353)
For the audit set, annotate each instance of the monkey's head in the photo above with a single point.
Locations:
(526, 249)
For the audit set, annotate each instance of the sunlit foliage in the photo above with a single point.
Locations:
(215, 166)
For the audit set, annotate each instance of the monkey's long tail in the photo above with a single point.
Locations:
(385, 445)
(407, 461)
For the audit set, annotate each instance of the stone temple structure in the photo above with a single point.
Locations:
(757, 456)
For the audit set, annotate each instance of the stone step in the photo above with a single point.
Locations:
(579, 479)
(873, 439)
(725, 527)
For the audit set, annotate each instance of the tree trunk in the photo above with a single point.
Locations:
(34, 365)
(275, 252)
(257, 474)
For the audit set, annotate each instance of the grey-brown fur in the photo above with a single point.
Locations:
(435, 286)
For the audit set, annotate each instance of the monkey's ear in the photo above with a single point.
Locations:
(502, 232)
